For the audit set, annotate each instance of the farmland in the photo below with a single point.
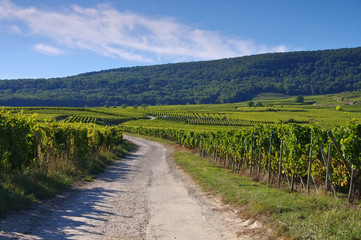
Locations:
(235, 133)
(276, 108)
(273, 138)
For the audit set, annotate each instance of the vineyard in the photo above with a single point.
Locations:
(278, 142)
(80, 119)
(27, 145)
(311, 149)
(100, 116)
(302, 157)
(206, 118)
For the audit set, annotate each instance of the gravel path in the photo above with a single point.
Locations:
(143, 196)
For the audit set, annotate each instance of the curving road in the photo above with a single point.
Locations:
(143, 196)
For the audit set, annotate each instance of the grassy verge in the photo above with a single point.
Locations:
(19, 190)
(291, 214)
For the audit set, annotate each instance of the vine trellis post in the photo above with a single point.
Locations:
(327, 161)
(280, 164)
(351, 190)
(309, 167)
(350, 169)
(251, 157)
(269, 158)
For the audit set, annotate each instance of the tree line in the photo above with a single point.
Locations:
(217, 81)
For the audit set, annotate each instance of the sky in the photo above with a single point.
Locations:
(59, 38)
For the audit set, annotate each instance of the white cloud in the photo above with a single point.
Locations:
(106, 31)
(48, 50)
(14, 29)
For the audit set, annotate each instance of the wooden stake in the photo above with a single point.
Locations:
(269, 164)
(251, 158)
(280, 164)
(303, 183)
(309, 168)
(350, 192)
(269, 158)
(233, 163)
(328, 180)
(240, 160)
(288, 180)
(328, 168)
(292, 182)
(314, 182)
(259, 159)
(339, 151)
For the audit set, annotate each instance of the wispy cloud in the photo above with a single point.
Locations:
(106, 31)
(48, 50)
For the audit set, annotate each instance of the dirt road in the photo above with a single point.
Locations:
(144, 196)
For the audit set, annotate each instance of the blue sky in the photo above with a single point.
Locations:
(57, 38)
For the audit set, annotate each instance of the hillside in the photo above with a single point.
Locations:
(218, 81)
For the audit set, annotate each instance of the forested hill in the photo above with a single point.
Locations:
(218, 81)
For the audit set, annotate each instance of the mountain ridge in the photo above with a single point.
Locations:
(215, 81)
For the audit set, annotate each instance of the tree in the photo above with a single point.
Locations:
(259, 104)
(300, 99)
(250, 104)
(144, 106)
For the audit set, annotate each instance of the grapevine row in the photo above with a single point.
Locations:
(285, 154)
(80, 119)
(204, 119)
(26, 145)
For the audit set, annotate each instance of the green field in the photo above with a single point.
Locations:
(276, 108)
(101, 116)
